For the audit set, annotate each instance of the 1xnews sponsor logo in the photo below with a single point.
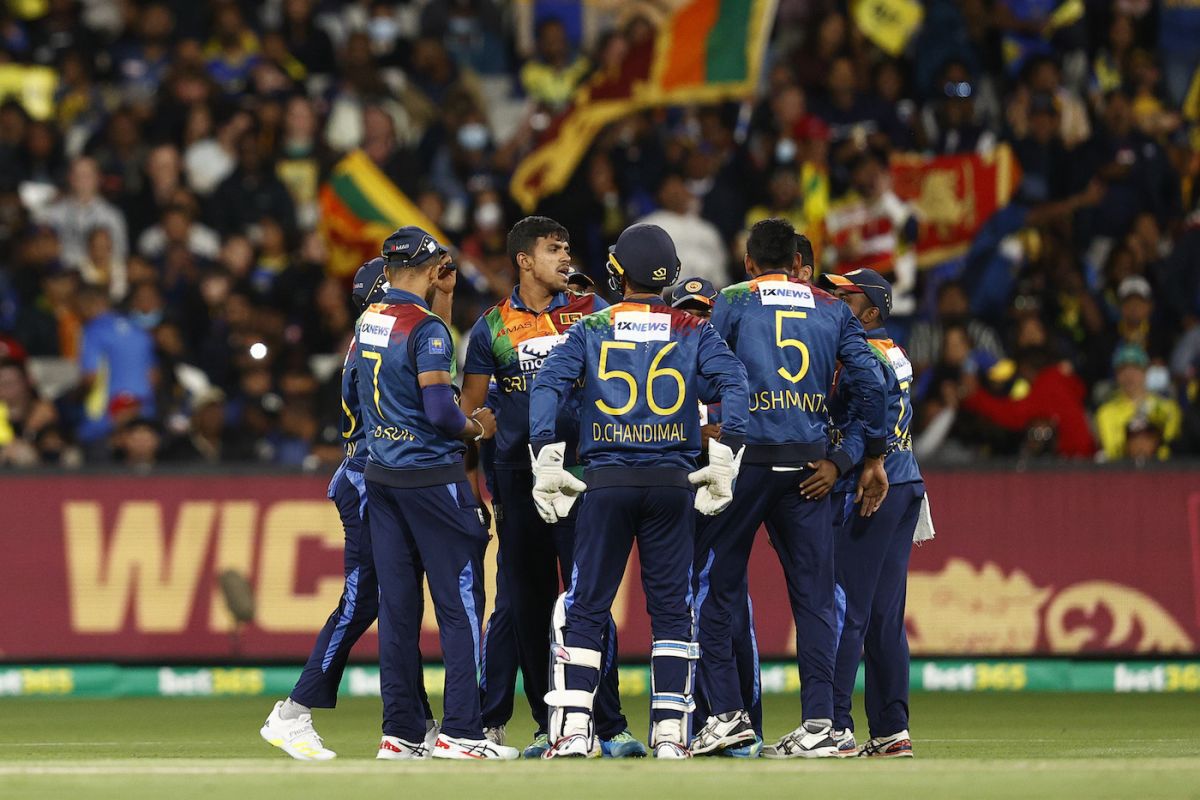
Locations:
(625, 326)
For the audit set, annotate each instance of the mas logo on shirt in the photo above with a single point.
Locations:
(437, 346)
(782, 293)
(376, 329)
(641, 326)
(900, 363)
(532, 352)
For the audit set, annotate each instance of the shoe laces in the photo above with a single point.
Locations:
(303, 727)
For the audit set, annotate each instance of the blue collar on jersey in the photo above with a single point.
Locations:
(653, 300)
(878, 333)
(401, 296)
(559, 300)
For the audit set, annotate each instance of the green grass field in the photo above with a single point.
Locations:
(967, 745)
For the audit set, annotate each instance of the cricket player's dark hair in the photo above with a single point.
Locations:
(805, 249)
(772, 244)
(524, 235)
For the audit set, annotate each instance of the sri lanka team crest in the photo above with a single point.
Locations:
(569, 317)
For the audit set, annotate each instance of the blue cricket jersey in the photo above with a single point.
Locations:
(791, 336)
(394, 342)
(896, 374)
(642, 366)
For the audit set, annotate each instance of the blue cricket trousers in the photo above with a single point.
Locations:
(435, 529)
(801, 532)
(661, 520)
(318, 684)
(744, 642)
(498, 683)
(872, 570)
(534, 554)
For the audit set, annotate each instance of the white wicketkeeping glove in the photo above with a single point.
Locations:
(715, 482)
(554, 489)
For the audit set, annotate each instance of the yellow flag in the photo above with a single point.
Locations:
(888, 23)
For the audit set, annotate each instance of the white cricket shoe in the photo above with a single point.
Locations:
(723, 731)
(667, 739)
(496, 735)
(847, 747)
(813, 739)
(471, 749)
(393, 748)
(574, 745)
(296, 737)
(898, 745)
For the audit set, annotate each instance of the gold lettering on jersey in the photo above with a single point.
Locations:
(648, 433)
(775, 400)
(393, 433)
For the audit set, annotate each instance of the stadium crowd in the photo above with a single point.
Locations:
(159, 218)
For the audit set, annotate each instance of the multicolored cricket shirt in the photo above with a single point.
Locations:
(510, 342)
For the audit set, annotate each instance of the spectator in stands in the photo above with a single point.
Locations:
(305, 40)
(697, 240)
(550, 77)
(1134, 401)
(177, 227)
(102, 267)
(75, 215)
(233, 51)
(949, 121)
(208, 439)
(116, 364)
(137, 444)
(251, 193)
(23, 415)
(952, 307)
(1136, 323)
(164, 177)
(1050, 405)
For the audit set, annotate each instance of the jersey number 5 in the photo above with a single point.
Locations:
(606, 374)
(782, 343)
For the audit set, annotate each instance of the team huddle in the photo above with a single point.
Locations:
(680, 418)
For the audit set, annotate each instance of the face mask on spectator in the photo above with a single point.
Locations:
(488, 215)
(146, 320)
(1158, 379)
(473, 136)
(382, 30)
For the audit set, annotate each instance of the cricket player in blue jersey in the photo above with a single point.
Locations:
(423, 514)
(790, 337)
(872, 552)
(641, 363)
(289, 725)
(697, 296)
(509, 343)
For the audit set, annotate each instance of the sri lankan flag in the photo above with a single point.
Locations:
(360, 208)
(703, 51)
